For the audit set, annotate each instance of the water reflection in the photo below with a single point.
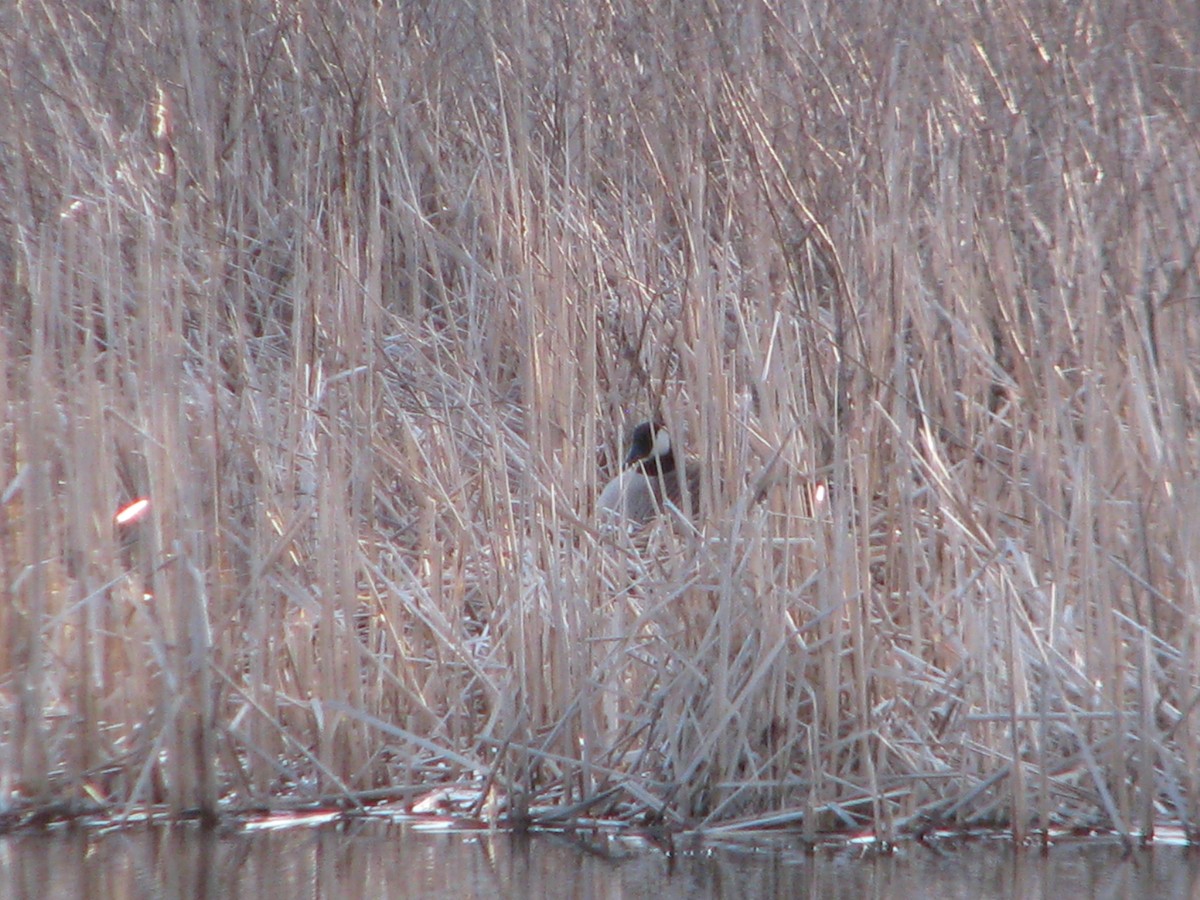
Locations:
(383, 860)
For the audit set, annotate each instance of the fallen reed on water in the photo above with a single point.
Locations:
(363, 299)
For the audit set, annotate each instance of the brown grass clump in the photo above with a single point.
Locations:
(363, 298)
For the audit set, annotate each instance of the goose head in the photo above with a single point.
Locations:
(650, 448)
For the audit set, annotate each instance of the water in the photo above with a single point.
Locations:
(372, 859)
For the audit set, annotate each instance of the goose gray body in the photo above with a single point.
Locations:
(650, 478)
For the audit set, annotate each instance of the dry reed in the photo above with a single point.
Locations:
(363, 298)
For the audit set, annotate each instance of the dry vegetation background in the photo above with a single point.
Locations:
(364, 299)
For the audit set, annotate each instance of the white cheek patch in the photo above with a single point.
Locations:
(662, 444)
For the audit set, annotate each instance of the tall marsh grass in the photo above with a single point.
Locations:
(363, 298)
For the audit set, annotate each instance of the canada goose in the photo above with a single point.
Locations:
(648, 479)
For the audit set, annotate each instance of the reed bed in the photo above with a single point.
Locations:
(362, 298)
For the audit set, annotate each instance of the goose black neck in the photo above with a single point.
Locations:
(657, 465)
